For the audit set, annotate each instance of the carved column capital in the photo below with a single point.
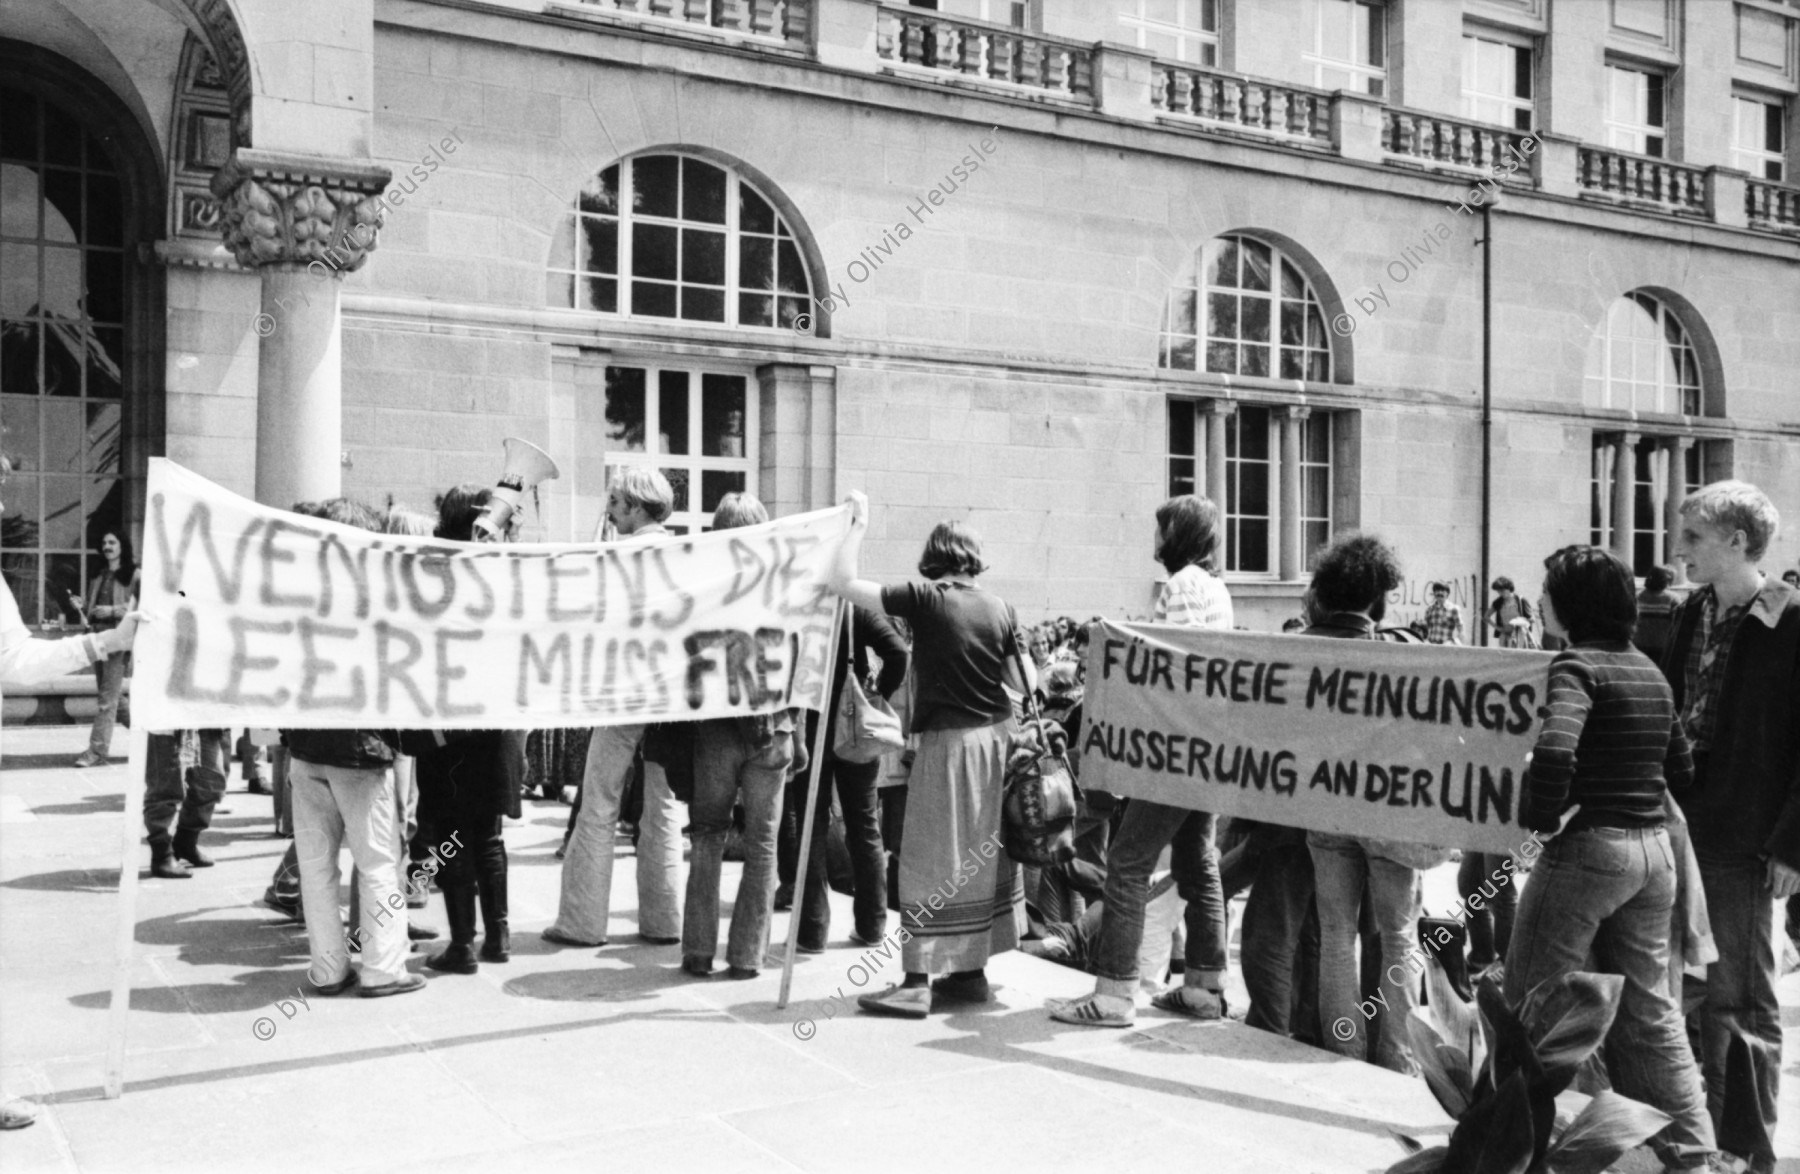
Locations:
(297, 209)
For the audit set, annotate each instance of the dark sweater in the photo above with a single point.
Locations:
(1746, 802)
(1610, 743)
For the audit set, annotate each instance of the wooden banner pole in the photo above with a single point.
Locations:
(812, 808)
(125, 947)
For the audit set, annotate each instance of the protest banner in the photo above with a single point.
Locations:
(260, 617)
(1424, 743)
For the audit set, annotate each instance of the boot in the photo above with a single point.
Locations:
(459, 910)
(164, 863)
(497, 945)
(187, 847)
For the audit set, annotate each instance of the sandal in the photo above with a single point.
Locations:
(1096, 1010)
(1211, 1005)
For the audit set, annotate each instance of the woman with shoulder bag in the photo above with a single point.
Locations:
(961, 898)
(112, 596)
(865, 632)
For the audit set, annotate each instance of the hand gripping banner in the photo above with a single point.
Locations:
(1423, 743)
(260, 617)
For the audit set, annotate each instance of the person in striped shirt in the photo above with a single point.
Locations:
(1187, 537)
(1610, 747)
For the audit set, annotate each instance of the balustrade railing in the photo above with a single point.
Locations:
(1432, 138)
(984, 52)
(1676, 187)
(787, 21)
(1234, 102)
(1772, 205)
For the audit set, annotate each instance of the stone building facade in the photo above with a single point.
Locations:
(1037, 265)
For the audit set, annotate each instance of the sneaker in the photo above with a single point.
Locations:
(902, 1002)
(860, 938)
(88, 758)
(1097, 1010)
(562, 939)
(341, 986)
(17, 1114)
(742, 972)
(650, 939)
(257, 787)
(1191, 1001)
(697, 966)
(784, 898)
(407, 983)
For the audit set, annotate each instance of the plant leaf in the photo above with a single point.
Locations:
(1454, 1018)
(1511, 1138)
(1610, 1125)
(1445, 1068)
(1429, 1161)
(1567, 1017)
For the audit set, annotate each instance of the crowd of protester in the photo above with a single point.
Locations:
(1669, 747)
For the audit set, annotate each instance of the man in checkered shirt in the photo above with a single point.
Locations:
(1443, 619)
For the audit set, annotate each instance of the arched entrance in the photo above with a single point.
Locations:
(80, 324)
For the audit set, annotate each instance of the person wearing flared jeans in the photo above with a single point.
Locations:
(1342, 867)
(1610, 891)
(728, 764)
(334, 807)
(1144, 831)
(586, 903)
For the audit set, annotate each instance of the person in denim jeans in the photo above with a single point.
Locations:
(751, 757)
(733, 757)
(1349, 590)
(640, 500)
(1187, 537)
(1609, 749)
(1734, 664)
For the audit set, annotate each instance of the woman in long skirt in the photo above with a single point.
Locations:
(961, 898)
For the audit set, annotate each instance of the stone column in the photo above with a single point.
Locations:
(1214, 412)
(1624, 487)
(301, 222)
(1292, 557)
(1673, 492)
(797, 449)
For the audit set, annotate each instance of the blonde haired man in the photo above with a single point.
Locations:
(1734, 663)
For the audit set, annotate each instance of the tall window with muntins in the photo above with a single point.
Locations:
(1349, 45)
(1642, 360)
(675, 237)
(698, 426)
(1175, 30)
(1249, 492)
(1759, 138)
(62, 313)
(1253, 504)
(1497, 84)
(1249, 311)
(1315, 485)
(1006, 12)
(1649, 467)
(1636, 111)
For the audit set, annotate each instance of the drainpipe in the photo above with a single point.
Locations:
(1487, 414)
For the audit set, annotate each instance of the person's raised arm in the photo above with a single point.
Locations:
(844, 579)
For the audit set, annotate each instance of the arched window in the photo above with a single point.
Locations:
(1248, 311)
(1642, 360)
(64, 236)
(673, 236)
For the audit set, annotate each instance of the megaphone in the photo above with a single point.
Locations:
(527, 466)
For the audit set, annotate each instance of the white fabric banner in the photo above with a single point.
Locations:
(260, 617)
